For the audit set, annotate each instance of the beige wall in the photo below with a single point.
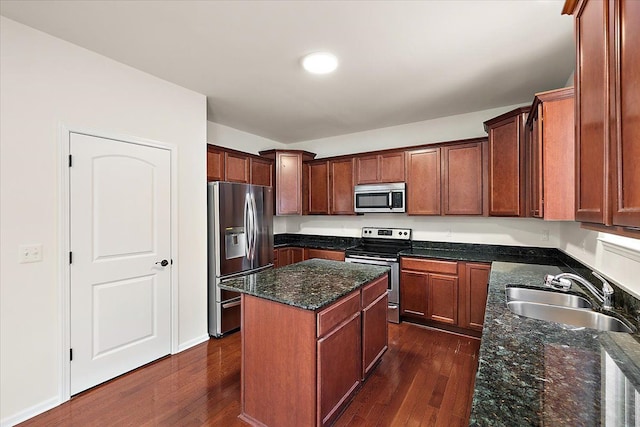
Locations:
(45, 83)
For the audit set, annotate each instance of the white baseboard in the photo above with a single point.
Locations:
(192, 343)
(30, 412)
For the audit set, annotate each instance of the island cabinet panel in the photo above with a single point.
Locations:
(341, 187)
(374, 323)
(339, 368)
(270, 351)
(262, 172)
(423, 181)
(215, 164)
(237, 168)
(379, 168)
(506, 163)
(462, 191)
(324, 254)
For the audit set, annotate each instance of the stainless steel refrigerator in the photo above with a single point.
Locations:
(240, 239)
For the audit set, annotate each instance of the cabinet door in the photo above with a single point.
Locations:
(339, 368)
(535, 169)
(477, 278)
(288, 183)
(423, 182)
(261, 172)
(391, 167)
(297, 255)
(374, 332)
(626, 149)
(413, 294)
(592, 128)
(367, 170)
(443, 299)
(236, 168)
(318, 188)
(462, 179)
(341, 180)
(276, 262)
(506, 159)
(215, 164)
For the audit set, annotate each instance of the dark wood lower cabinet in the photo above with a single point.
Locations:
(446, 294)
(374, 338)
(288, 255)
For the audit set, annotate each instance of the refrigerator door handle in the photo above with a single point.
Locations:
(247, 225)
(254, 226)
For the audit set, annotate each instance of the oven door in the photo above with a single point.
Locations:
(394, 281)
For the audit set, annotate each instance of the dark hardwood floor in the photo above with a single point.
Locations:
(425, 379)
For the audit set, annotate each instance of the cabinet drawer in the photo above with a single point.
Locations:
(373, 290)
(432, 266)
(337, 313)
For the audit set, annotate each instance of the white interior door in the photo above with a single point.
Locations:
(120, 234)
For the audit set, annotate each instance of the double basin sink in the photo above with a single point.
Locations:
(561, 307)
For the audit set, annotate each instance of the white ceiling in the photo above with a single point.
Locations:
(400, 62)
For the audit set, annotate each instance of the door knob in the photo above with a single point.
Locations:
(163, 263)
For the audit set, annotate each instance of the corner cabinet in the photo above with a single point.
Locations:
(607, 81)
(288, 179)
(506, 165)
(551, 156)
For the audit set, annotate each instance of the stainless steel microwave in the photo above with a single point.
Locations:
(379, 197)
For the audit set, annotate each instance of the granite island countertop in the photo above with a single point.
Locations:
(310, 285)
(534, 373)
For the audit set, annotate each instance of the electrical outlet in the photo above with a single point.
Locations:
(30, 253)
(545, 235)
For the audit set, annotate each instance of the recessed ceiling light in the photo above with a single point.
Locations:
(320, 62)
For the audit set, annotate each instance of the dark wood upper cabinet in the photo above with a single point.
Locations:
(215, 164)
(378, 168)
(462, 179)
(237, 167)
(551, 155)
(261, 172)
(318, 187)
(423, 181)
(506, 163)
(625, 152)
(341, 183)
(288, 179)
(607, 81)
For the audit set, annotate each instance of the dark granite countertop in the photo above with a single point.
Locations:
(537, 373)
(311, 284)
(314, 241)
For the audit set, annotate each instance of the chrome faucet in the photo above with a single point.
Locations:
(560, 281)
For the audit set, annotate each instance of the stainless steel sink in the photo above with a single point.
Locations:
(546, 297)
(578, 317)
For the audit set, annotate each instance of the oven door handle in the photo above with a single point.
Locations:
(369, 260)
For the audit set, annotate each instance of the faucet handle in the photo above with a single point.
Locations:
(606, 287)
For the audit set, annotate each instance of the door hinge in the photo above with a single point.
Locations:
(70, 257)
(70, 354)
(70, 161)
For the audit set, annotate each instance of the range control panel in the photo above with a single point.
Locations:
(386, 233)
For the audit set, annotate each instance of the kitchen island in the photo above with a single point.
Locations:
(311, 334)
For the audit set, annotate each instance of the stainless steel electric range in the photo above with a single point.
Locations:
(381, 246)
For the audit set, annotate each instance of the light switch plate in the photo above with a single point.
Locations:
(30, 253)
